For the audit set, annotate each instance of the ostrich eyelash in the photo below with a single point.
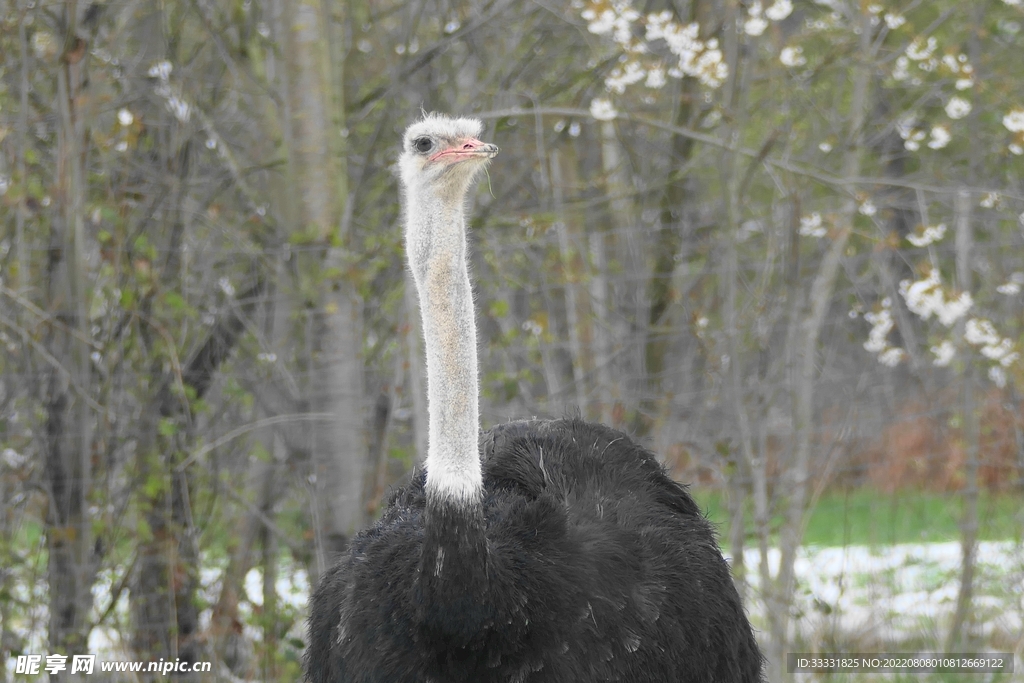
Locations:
(487, 173)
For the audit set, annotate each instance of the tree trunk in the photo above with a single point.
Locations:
(805, 366)
(164, 608)
(605, 330)
(746, 458)
(668, 245)
(73, 557)
(318, 181)
(570, 246)
(969, 420)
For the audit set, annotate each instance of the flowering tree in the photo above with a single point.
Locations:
(850, 131)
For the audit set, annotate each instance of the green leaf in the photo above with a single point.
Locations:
(175, 301)
(498, 309)
(127, 298)
(167, 427)
(153, 485)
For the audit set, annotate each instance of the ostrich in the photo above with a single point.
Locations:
(539, 551)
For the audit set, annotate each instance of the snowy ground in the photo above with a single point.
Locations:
(896, 594)
(871, 597)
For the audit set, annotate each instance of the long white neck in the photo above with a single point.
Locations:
(435, 237)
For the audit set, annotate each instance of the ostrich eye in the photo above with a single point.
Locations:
(423, 145)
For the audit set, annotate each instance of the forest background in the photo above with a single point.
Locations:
(780, 243)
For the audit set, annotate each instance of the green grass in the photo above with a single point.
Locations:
(865, 517)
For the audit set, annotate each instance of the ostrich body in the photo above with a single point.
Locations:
(539, 551)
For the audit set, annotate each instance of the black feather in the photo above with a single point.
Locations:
(587, 563)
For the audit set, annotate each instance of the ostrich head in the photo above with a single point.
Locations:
(442, 155)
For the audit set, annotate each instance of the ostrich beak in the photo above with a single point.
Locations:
(468, 148)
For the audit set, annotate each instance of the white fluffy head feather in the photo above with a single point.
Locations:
(433, 159)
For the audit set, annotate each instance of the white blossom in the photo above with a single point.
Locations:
(125, 117)
(927, 297)
(1016, 149)
(1014, 3)
(44, 44)
(712, 69)
(792, 56)
(779, 10)
(620, 78)
(712, 119)
(981, 332)
(868, 208)
(954, 309)
(894, 21)
(13, 458)
(617, 20)
(964, 83)
(928, 235)
(996, 373)
(179, 108)
(602, 109)
(225, 286)
(655, 78)
(912, 137)
(533, 327)
(754, 26)
(121, 146)
(997, 351)
(957, 108)
(901, 71)
(906, 125)
(811, 225)
(696, 58)
(882, 323)
(161, 70)
(891, 357)
(989, 200)
(919, 51)
(940, 137)
(1013, 286)
(600, 24)
(944, 353)
(825, 146)
(1014, 121)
